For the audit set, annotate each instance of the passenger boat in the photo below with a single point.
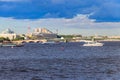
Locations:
(10, 44)
(92, 43)
(50, 42)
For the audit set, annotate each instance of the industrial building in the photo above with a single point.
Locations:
(43, 33)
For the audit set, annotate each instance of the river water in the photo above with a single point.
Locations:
(64, 61)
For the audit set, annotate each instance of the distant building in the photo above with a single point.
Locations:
(43, 33)
(114, 37)
(8, 33)
(42, 30)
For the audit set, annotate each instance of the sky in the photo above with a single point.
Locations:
(85, 17)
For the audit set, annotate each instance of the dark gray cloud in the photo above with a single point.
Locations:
(102, 10)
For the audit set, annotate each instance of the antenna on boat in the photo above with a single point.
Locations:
(93, 38)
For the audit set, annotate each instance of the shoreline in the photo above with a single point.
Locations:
(109, 40)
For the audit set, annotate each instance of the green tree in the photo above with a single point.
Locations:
(4, 39)
(18, 38)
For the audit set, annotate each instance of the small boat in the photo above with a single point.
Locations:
(92, 43)
(49, 42)
(19, 45)
(10, 44)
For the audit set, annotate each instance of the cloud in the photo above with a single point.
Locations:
(108, 11)
(103, 10)
(79, 24)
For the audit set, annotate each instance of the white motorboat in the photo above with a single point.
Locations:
(92, 43)
(50, 42)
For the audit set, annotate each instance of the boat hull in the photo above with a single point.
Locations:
(11, 45)
(93, 44)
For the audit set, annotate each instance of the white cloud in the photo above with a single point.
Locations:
(80, 24)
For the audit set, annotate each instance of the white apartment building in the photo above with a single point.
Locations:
(8, 34)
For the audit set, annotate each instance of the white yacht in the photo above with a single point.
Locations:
(92, 43)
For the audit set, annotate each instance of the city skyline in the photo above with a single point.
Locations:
(86, 17)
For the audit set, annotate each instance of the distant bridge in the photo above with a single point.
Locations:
(30, 41)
